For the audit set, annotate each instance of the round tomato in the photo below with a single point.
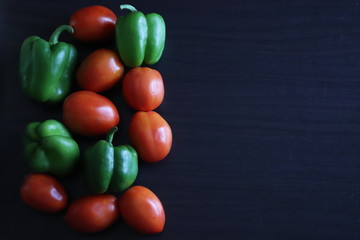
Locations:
(92, 213)
(88, 113)
(143, 88)
(142, 210)
(100, 71)
(94, 23)
(44, 193)
(151, 136)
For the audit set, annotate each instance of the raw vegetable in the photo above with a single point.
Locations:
(44, 193)
(93, 213)
(150, 135)
(100, 71)
(142, 210)
(109, 167)
(140, 38)
(143, 88)
(93, 23)
(49, 148)
(46, 68)
(90, 114)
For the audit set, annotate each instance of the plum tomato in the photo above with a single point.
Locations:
(89, 114)
(150, 135)
(43, 192)
(142, 210)
(100, 71)
(93, 23)
(92, 213)
(143, 88)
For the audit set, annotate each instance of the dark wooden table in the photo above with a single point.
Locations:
(263, 98)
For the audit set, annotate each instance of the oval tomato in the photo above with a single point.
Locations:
(143, 88)
(92, 213)
(100, 71)
(142, 210)
(88, 113)
(94, 23)
(151, 136)
(44, 193)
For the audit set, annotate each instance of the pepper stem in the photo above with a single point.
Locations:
(55, 36)
(128, 7)
(110, 134)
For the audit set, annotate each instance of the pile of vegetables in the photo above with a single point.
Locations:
(48, 70)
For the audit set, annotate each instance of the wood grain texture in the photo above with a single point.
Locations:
(263, 98)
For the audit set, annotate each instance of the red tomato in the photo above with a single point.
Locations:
(100, 71)
(92, 213)
(44, 193)
(151, 136)
(94, 23)
(143, 88)
(88, 113)
(142, 210)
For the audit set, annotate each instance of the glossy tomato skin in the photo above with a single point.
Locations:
(143, 88)
(92, 213)
(100, 71)
(93, 24)
(151, 136)
(89, 114)
(43, 192)
(142, 210)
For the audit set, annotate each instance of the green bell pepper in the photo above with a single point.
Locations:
(110, 168)
(46, 68)
(139, 38)
(48, 147)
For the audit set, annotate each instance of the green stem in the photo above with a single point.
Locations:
(54, 38)
(110, 134)
(128, 7)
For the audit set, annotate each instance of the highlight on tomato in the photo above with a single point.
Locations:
(143, 88)
(150, 135)
(93, 23)
(100, 71)
(44, 193)
(89, 114)
(142, 210)
(93, 213)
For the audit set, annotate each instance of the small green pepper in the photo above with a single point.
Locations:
(110, 168)
(48, 147)
(46, 68)
(140, 38)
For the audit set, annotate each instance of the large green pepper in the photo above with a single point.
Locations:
(48, 147)
(46, 68)
(110, 168)
(140, 38)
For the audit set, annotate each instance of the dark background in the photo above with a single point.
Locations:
(263, 99)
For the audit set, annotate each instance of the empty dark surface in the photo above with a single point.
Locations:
(263, 98)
